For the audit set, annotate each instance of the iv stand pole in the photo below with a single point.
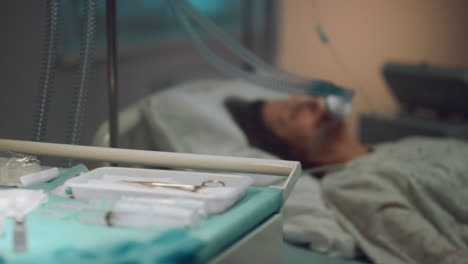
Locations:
(113, 96)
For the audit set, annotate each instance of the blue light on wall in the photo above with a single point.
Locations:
(143, 20)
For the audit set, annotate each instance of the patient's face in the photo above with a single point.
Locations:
(301, 121)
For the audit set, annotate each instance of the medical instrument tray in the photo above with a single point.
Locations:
(93, 185)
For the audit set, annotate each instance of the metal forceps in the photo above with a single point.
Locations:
(183, 187)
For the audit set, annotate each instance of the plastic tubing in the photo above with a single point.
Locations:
(47, 75)
(339, 104)
(338, 99)
(235, 47)
(218, 62)
(245, 54)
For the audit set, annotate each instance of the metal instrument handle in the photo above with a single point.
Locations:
(183, 187)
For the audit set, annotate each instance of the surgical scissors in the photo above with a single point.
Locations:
(183, 187)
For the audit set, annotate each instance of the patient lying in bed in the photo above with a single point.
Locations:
(297, 128)
(403, 202)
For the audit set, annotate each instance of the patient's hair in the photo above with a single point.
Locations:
(248, 116)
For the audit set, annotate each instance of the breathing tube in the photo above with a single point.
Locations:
(80, 89)
(47, 71)
(337, 99)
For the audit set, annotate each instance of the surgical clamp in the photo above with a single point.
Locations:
(183, 187)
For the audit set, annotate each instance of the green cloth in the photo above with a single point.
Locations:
(219, 231)
(57, 236)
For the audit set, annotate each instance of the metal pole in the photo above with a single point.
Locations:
(112, 72)
(271, 27)
(248, 30)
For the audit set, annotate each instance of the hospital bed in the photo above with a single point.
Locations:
(185, 119)
(190, 118)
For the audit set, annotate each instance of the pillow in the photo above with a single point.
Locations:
(191, 118)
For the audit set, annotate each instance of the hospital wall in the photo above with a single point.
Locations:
(363, 35)
(142, 68)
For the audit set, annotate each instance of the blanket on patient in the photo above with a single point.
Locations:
(407, 202)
